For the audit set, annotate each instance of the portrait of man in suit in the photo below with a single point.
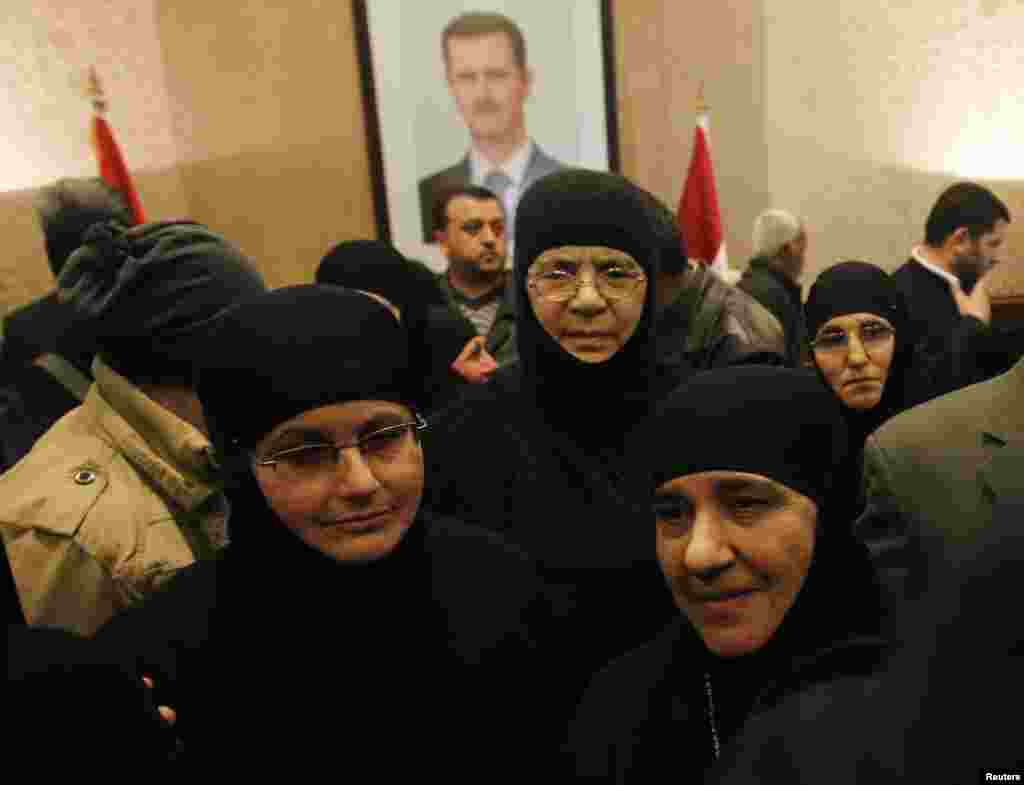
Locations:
(489, 80)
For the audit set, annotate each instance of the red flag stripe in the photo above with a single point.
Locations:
(699, 216)
(112, 166)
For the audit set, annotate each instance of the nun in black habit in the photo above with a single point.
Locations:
(433, 325)
(344, 627)
(773, 595)
(872, 374)
(541, 453)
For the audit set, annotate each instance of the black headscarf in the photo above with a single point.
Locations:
(281, 354)
(781, 424)
(585, 208)
(149, 295)
(859, 287)
(447, 333)
(377, 267)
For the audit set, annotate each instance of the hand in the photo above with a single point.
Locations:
(978, 303)
(167, 714)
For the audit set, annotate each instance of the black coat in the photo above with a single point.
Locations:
(780, 295)
(583, 514)
(423, 662)
(45, 326)
(931, 308)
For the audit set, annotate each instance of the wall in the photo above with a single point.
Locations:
(881, 108)
(45, 47)
(266, 105)
(247, 116)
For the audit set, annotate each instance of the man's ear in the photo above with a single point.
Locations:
(960, 235)
(441, 238)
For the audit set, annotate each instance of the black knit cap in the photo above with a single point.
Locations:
(294, 349)
(781, 423)
(378, 267)
(854, 287)
(579, 207)
(149, 295)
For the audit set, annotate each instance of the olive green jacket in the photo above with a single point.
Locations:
(936, 472)
(110, 502)
(501, 340)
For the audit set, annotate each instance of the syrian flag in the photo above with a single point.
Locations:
(698, 215)
(111, 163)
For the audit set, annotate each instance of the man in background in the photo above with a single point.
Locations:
(487, 73)
(470, 226)
(963, 237)
(45, 358)
(773, 277)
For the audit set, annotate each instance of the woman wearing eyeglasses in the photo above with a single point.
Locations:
(542, 453)
(344, 629)
(858, 322)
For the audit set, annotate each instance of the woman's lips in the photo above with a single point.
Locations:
(725, 605)
(362, 522)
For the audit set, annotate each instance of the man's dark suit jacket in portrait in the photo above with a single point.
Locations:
(432, 187)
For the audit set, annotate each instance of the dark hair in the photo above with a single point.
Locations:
(68, 207)
(964, 204)
(476, 23)
(440, 207)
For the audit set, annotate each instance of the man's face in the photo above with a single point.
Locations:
(474, 238)
(973, 257)
(798, 254)
(488, 85)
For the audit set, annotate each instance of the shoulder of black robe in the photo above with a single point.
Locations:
(475, 627)
(618, 705)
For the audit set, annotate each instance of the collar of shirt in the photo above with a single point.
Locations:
(917, 254)
(514, 167)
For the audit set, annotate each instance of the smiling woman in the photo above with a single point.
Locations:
(337, 589)
(771, 587)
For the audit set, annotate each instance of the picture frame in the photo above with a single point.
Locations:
(417, 134)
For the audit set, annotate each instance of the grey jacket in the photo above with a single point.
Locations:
(935, 472)
(711, 324)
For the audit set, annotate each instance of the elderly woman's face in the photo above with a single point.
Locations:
(352, 507)
(588, 298)
(853, 353)
(735, 549)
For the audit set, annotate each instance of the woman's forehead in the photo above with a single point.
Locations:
(583, 253)
(342, 417)
(852, 320)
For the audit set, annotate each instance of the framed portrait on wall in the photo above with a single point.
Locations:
(493, 93)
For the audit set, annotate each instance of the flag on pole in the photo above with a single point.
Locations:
(108, 155)
(698, 216)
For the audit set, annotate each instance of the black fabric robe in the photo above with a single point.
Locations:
(421, 663)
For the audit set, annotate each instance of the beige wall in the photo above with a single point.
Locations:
(266, 100)
(45, 48)
(247, 116)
